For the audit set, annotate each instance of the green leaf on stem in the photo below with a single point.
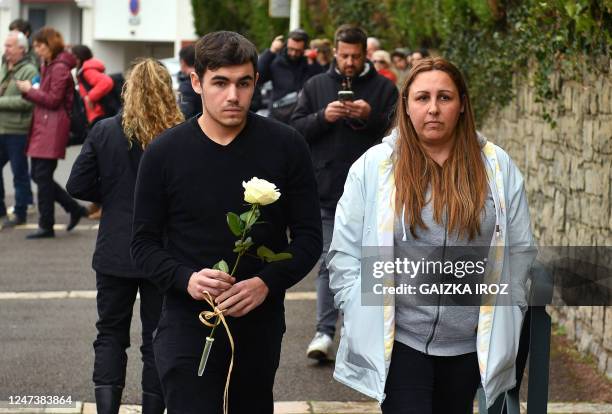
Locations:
(250, 217)
(236, 225)
(269, 256)
(279, 256)
(263, 252)
(222, 266)
(243, 246)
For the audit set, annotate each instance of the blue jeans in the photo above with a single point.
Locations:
(12, 148)
(327, 314)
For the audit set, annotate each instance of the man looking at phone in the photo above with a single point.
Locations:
(341, 113)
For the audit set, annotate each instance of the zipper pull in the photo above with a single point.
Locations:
(497, 230)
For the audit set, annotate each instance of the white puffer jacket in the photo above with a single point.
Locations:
(365, 217)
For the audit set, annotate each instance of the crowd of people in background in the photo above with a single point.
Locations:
(287, 65)
(37, 100)
(327, 104)
(77, 92)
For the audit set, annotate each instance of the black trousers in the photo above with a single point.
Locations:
(424, 384)
(49, 192)
(116, 296)
(178, 347)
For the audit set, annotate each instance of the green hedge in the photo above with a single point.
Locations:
(490, 40)
(249, 18)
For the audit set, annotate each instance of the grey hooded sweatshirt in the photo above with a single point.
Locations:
(426, 322)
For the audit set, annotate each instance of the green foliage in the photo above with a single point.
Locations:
(235, 224)
(241, 246)
(369, 15)
(249, 18)
(249, 218)
(490, 40)
(269, 256)
(240, 225)
(222, 266)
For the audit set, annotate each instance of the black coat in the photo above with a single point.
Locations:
(189, 101)
(286, 76)
(336, 146)
(105, 173)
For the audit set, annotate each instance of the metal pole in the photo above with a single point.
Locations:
(294, 15)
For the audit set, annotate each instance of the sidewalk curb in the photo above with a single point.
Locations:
(313, 407)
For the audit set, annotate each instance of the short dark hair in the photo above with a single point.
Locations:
(52, 38)
(299, 35)
(22, 25)
(187, 55)
(81, 52)
(348, 33)
(399, 53)
(223, 48)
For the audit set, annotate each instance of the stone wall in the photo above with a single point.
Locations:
(568, 178)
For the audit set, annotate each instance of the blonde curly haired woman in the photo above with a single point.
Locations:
(105, 173)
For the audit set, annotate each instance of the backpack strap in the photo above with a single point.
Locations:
(81, 78)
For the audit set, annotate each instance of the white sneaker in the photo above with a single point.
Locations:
(31, 209)
(320, 347)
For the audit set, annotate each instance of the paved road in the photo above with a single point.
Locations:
(46, 344)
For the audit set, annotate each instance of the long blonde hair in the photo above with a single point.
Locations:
(149, 104)
(460, 185)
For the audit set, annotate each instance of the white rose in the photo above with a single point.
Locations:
(258, 191)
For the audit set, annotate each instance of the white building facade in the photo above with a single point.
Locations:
(117, 31)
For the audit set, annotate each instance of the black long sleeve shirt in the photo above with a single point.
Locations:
(187, 184)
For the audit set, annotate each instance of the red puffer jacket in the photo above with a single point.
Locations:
(52, 105)
(100, 83)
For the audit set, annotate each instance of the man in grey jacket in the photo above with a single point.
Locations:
(15, 119)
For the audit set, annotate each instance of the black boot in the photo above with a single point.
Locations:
(41, 234)
(108, 399)
(75, 217)
(152, 403)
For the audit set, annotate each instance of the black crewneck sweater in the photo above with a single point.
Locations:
(186, 185)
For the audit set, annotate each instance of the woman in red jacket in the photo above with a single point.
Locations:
(50, 128)
(94, 84)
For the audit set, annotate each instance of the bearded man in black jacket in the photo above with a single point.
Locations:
(288, 69)
(340, 127)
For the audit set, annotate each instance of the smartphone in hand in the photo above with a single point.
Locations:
(346, 96)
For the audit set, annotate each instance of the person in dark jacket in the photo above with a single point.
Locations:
(340, 127)
(288, 69)
(50, 128)
(322, 49)
(189, 101)
(105, 173)
(188, 180)
(94, 83)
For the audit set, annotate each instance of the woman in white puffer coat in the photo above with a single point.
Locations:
(434, 182)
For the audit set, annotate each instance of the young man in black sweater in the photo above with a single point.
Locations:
(188, 179)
